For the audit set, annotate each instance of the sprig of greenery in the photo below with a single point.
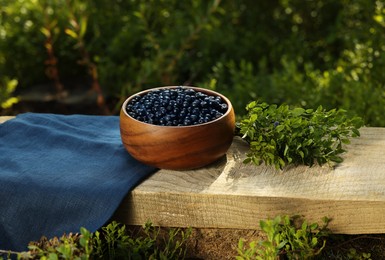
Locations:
(279, 135)
(286, 238)
(292, 237)
(113, 241)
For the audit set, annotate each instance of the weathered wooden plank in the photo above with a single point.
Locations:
(229, 194)
(5, 118)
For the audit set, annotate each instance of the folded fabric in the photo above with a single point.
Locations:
(59, 173)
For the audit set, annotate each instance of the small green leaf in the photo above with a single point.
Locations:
(314, 241)
(355, 132)
(53, 256)
(256, 161)
(281, 244)
(71, 33)
(83, 26)
(240, 244)
(263, 225)
(247, 160)
(336, 159)
(309, 111)
(280, 128)
(301, 154)
(45, 31)
(314, 226)
(298, 111)
(345, 141)
(286, 150)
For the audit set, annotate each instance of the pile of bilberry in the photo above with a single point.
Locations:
(179, 106)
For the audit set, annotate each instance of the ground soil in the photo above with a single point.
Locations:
(221, 244)
(218, 243)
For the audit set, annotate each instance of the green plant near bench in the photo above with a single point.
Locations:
(290, 237)
(113, 241)
(286, 238)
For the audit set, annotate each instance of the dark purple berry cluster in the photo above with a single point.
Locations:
(179, 106)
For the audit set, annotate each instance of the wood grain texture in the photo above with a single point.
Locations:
(5, 118)
(229, 194)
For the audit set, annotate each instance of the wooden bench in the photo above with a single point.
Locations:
(230, 194)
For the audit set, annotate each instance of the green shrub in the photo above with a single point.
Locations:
(113, 241)
(311, 53)
(291, 237)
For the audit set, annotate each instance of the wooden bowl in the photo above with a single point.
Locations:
(178, 147)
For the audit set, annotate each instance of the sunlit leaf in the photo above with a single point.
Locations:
(71, 33)
(83, 26)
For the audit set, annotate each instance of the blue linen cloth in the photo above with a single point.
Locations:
(59, 173)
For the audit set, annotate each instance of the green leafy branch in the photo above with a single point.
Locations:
(289, 236)
(113, 241)
(279, 135)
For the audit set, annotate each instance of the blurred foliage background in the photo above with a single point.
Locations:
(303, 53)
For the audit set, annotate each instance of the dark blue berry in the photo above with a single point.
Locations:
(194, 118)
(276, 123)
(176, 107)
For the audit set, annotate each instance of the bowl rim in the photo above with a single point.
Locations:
(206, 91)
